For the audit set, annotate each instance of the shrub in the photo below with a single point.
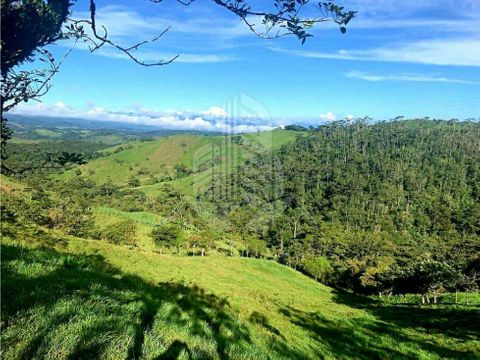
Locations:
(122, 232)
(255, 246)
(182, 170)
(167, 235)
(133, 182)
(73, 216)
(202, 241)
(319, 267)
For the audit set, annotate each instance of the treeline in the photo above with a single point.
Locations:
(384, 207)
(26, 159)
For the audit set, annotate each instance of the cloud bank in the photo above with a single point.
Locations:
(214, 119)
(329, 116)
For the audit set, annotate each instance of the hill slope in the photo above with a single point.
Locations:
(382, 201)
(188, 162)
(90, 299)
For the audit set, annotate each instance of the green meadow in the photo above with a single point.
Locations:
(153, 162)
(83, 299)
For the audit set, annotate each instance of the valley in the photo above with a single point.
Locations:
(212, 246)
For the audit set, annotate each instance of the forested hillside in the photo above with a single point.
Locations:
(390, 206)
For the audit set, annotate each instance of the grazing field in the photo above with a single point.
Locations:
(155, 162)
(91, 299)
(10, 186)
(143, 221)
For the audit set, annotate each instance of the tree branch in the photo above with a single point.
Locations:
(100, 40)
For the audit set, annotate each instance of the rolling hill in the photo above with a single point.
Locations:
(91, 299)
(72, 291)
(28, 129)
(187, 162)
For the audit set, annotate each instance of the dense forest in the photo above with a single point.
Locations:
(389, 206)
(41, 158)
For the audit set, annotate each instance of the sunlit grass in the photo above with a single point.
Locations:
(92, 299)
(153, 162)
(144, 222)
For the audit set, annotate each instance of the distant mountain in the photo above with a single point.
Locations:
(54, 128)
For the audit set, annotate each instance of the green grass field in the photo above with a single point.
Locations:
(70, 298)
(9, 185)
(153, 162)
(48, 133)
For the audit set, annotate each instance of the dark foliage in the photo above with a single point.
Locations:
(394, 206)
(25, 159)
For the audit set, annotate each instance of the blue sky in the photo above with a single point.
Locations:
(413, 57)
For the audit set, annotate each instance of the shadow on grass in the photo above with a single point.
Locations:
(386, 331)
(65, 306)
(455, 321)
(79, 307)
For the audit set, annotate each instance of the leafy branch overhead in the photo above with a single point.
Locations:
(29, 26)
(287, 17)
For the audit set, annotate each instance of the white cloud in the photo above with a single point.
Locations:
(406, 77)
(439, 17)
(439, 25)
(216, 111)
(404, 8)
(127, 27)
(214, 119)
(156, 56)
(460, 52)
(123, 22)
(329, 116)
(457, 52)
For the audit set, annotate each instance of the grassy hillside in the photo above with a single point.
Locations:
(154, 162)
(9, 185)
(144, 222)
(90, 299)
